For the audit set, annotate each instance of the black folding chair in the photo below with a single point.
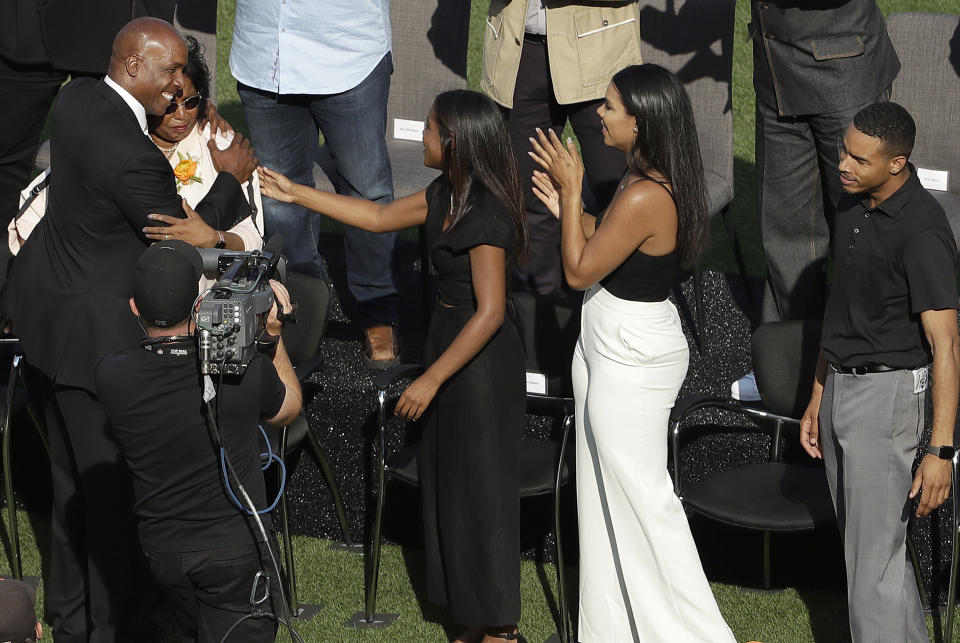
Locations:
(302, 341)
(11, 402)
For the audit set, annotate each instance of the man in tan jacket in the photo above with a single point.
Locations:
(549, 62)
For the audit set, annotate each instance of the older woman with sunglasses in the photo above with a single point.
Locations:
(180, 138)
(186, 145)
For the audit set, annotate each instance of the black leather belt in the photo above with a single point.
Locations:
(535, 37)
(863, 370)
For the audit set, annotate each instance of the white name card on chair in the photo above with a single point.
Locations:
(407, 130)
(933, 179)
(536, 383)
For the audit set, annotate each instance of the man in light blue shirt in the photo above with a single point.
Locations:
(304, 67)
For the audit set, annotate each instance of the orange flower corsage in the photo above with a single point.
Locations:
(186, 170)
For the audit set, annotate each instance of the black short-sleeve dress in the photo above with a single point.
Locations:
(468, 458)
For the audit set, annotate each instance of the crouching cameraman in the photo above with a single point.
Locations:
(203, 550)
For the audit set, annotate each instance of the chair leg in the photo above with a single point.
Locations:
(13, 529)
(368, 617)
(293, 600)
(324, 463)
(915, 561)
(374, 577)
(952, 590)
(701, 314)
(767, 574)
(737, 252)
(564, 629)
(38, 425)
(35, 418)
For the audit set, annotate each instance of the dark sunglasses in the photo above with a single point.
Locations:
(191, 103)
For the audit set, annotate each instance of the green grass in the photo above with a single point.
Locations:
(334, 579)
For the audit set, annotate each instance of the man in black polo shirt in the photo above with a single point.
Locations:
(891, 312)
(202, 549)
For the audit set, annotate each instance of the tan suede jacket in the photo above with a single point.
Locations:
(587, 44)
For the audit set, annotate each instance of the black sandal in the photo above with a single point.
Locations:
(514, 636)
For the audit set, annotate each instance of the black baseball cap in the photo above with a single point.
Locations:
(18, 621)
(165, 282)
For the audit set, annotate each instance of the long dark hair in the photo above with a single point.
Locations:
(667, 142)
(477, 154)
(196, 68)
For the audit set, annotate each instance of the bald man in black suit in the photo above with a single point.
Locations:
(67, 296)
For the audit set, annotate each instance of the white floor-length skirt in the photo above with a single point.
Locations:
(640, 574)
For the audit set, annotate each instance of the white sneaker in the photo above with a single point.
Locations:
(745, 389)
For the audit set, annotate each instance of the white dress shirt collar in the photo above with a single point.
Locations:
(132, 102)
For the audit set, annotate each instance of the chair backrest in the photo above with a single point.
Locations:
(312, 297)
(694, 40)
(928, 86)
(429, 54)
(549, 330)
(785, 361)
(429, 57)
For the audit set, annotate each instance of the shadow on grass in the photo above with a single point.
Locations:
(810, 562)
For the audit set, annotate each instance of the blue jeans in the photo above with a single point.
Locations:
(284, 130)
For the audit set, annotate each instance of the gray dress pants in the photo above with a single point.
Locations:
(870, 428)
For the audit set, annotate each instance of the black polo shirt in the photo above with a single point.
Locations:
(154, 404)
(890, 263)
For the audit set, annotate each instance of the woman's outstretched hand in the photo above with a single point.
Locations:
(562, 162)
(546, 191)
(275, 185)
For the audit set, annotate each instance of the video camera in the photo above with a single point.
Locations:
(232, 315)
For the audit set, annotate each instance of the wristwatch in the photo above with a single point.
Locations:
(944, 453)
(222, 243)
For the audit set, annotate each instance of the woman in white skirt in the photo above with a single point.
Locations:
(640, 574)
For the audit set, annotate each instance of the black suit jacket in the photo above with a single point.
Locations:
(69, 286)
(820, 56)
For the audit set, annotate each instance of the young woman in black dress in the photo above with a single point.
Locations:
(472, 395)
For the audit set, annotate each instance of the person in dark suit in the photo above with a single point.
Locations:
(42, 44)
(814, 67)
(67, 296)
